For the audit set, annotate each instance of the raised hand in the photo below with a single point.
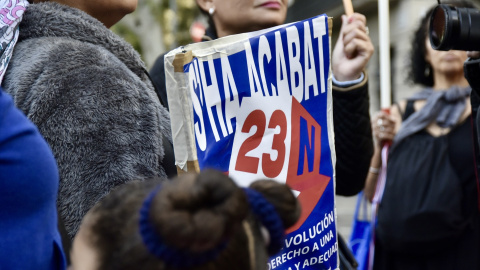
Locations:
(353, 48)
(383, 127)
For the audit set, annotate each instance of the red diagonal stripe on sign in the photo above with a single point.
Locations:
(304, 165)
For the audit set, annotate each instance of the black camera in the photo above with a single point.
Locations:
(455, 28)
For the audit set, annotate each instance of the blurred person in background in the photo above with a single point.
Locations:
(428, 216)
(198, 221)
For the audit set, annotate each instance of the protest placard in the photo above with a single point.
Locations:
(259, 105)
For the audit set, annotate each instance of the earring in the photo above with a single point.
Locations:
(211, 11)
(427, 71)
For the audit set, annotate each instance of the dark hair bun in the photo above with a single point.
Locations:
(282, 198)
(198, 212)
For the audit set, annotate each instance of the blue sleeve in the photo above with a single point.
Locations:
(28, 191)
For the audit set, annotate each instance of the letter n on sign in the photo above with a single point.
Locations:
(304, 166)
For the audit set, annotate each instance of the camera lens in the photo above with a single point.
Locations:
(455, 28)
(438, 27)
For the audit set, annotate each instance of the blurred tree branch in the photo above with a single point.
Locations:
(158, 26)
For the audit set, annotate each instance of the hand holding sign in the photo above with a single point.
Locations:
(353, 49)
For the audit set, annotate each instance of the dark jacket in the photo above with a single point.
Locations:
(87, 91)
(353, 133)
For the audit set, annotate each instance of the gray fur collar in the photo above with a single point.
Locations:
(75, 24)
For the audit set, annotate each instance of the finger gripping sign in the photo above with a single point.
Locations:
(258, 105)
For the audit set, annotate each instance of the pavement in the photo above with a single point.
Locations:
(345, 211)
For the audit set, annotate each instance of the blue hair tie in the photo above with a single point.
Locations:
(170, 255)
(268, 216)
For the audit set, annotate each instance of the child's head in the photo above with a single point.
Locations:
(202, 221)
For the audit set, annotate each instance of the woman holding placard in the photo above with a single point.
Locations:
(349, 59)
(350, 90)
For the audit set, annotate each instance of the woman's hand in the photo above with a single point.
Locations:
(353, 49)
(473, 54)
(383, 127)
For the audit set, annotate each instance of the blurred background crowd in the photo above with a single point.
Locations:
(158, 26)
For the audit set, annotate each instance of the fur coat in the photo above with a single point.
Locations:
(88, 92)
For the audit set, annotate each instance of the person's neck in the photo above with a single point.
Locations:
(442, 82)
(108, 19)
(223, 33)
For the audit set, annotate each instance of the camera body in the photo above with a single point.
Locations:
(471, 69)
(455, 28)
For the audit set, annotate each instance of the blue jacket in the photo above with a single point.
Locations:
(29, 237)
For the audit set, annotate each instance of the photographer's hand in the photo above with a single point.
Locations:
(473, 54)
